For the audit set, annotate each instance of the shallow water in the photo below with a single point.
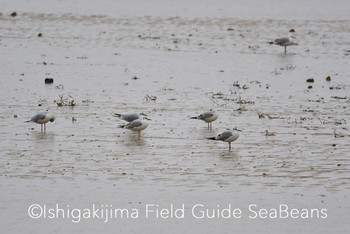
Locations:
(190, 65)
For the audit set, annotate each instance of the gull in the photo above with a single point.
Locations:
(42, 118)
(267, 133)
(283, 41)
(208, 117)
(227, 136)
(136, 125)
(129, 117)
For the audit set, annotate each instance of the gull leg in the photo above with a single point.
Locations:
(44, 127)
(139, 134)
(229, 146)
(285, 50)
(208, 125)
(41, 128)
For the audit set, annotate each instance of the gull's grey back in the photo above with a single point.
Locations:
(127, 117)
(134, 124)
(281, 41)
(206, 115)
(39, 116)
(130, 117)
(223, 136)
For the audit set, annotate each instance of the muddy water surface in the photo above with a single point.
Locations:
(190, 65)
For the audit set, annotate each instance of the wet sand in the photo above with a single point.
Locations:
(190, 65)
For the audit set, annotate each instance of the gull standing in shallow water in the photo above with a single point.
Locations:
(227, 136)
(208, 117)
(42, 118)
(136, 125)
(129, 117)
(284, 41)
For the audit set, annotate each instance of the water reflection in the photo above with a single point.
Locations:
(131, 139)
(38, 136)
(228, 156)
(45, 140)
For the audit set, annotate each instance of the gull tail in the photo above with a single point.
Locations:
(212, 138)
(193, 118)
(270, 42)
(121, 126)
(117, 115)
(28, 121)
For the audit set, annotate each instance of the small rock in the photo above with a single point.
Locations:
(309, 87)
(15, 116)
(334, 145)
(14, 14)
(310, 80)
(292, 30)
(48, 80)
(328, 78)
(40, 35)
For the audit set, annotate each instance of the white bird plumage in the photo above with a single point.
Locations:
(207, 117)
(284, 41)
(129, 117)
(42, 118)
(227, 136)
(136, 125)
